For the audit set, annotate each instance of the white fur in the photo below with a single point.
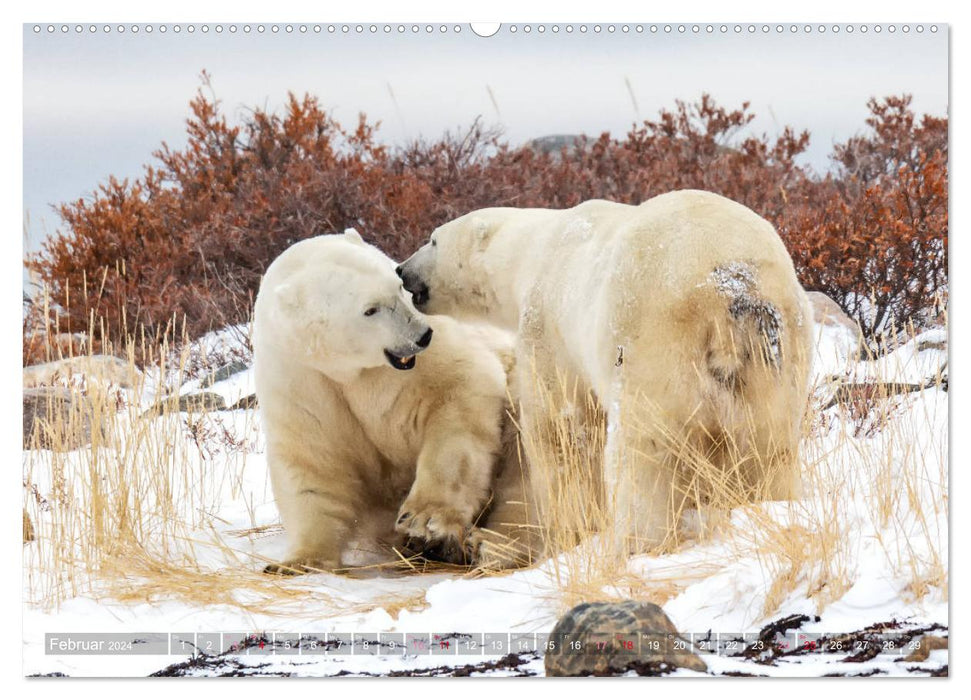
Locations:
(352, 442)
(683, 316)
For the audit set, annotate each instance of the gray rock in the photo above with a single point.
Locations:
(555, 143)
(244, 403)
(224, 373)
(97, 370)
(923, 345)
(55, 419)
(202, 402)
(608, 639)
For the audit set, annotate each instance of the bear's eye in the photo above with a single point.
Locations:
(434, 243)
(371, 311)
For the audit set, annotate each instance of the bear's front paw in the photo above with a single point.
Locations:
(440, 526)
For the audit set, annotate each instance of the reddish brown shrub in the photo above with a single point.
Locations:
(874, 237)
(188, 241)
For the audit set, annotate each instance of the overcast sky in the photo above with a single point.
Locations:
(99, 104)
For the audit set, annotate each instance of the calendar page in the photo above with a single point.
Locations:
(513, 349)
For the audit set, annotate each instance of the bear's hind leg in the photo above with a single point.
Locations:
(783, 478)
(640, 485)
(562, 437)
(508, 536)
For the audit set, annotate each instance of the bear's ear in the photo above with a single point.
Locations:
(288, 296)
(481, 233)
(353, 236)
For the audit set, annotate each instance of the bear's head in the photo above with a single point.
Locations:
(337, 305)
(453, 273)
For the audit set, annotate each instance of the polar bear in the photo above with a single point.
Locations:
(684, 318)
(381, 422)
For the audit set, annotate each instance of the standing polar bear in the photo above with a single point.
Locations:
(684, 318)
(381, 423)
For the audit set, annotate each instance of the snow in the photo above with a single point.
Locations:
(724, 583)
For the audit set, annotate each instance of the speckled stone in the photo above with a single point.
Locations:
(607, 639)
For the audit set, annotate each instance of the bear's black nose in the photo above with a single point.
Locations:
(425, 339)
(397, 270)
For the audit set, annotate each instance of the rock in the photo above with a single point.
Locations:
(244, 403)
(923, 345)
(555, 143)
(224, 373)
(55, 419)
(607, 639)
(927, 644)
(66, 399)
(96, 370)
(28, 528)
(827, 312)
(202, 402)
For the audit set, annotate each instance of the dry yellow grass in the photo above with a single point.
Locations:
(131, 516)
(868, 460)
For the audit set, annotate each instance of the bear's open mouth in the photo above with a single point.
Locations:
(400, 362)
(419, 297)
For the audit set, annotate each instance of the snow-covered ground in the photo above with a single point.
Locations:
(866, 546)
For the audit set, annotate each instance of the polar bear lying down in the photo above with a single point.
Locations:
(682, 316)
(382, 424)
